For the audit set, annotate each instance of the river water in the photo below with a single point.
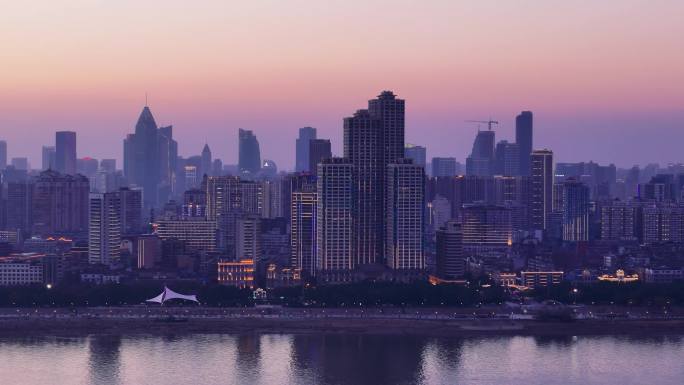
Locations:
(340, 359)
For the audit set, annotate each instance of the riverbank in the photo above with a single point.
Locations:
(162, 325)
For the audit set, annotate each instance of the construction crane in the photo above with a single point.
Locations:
(489, 122)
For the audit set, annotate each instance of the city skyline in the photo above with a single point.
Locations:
(585, 72)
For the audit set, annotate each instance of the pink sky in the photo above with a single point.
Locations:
(604, 79)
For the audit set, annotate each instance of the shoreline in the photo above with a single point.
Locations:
(422, 327)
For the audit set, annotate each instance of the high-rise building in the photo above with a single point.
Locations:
(303, 229)
(523, 138)
(575, 211)
(104, 229)
(445, 167)
(48, 158)
(481, 159)
(541, 192)
(319, 149)
(3, 154)
(363, 147)
(663, 222)
(405, 205)
(507, 160)
(450, 260)
(390, 112)
(60, 204)
(150, 157)
(87, 166)
(65, 152)
(131, 206)
(302, 161)
(417, 153)
(620, 221)
(108, 165)
(206, 161)
(335, 251)
(249, 155)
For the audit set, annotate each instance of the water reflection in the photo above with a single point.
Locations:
(104, 359)
(339, 359)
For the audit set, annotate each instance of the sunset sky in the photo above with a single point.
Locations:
(605, 79)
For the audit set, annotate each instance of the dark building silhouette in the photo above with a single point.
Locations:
(302, 161)
(523, 138)
(48, 158)
(20, 206)
(206, 161)
(130, 214)
(363, 146)
(507, 160)
(60, 204)
(390, 111)
(417, 153)
(444, 167)
(541, 194)
(450, 260)
(249, 155)
(319, 149)
(150, 158)
(65, 152)
(481, 159)
(3, 154)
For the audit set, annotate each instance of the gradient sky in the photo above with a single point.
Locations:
(605, 79)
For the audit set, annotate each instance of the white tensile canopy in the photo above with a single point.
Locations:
(168, 294)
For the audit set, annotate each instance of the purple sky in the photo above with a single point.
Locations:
(604, 79)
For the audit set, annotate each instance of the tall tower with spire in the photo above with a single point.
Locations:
(206, 160)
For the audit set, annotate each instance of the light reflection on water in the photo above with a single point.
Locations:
(339, 359)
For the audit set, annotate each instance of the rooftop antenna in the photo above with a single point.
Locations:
(145, 98)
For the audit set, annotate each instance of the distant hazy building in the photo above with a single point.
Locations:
(450, 260)
(87, 166)
(335, 249)
(108, 165)
(131, 206)
(523, 138)
(481, 159)
(3, 154)
(417, 153)
(65, 152)
(249, 154)
(405, 203)
(541, 194)
(575, 211)
(302, 161)
(319, 149)
(206, 161)
(444, 167)
(48, 158)
(149, 251)
(20, 206)
(20, 163)
(104, 229)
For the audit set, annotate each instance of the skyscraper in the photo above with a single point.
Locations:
(390, 112)
(142, 164)
(48, 158)
(481, 159)
(65, 152)
(363, 147)
(417, 153)
(575, 211)
(302, 161)
(486, 227)
(249, 155)
(541, 194)
(104, 229)
(523, 138)
(303, 229)
(319, 149)
(248, 244)
(335, 249)
(3, 154)
(206, 161)
(405, 205)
